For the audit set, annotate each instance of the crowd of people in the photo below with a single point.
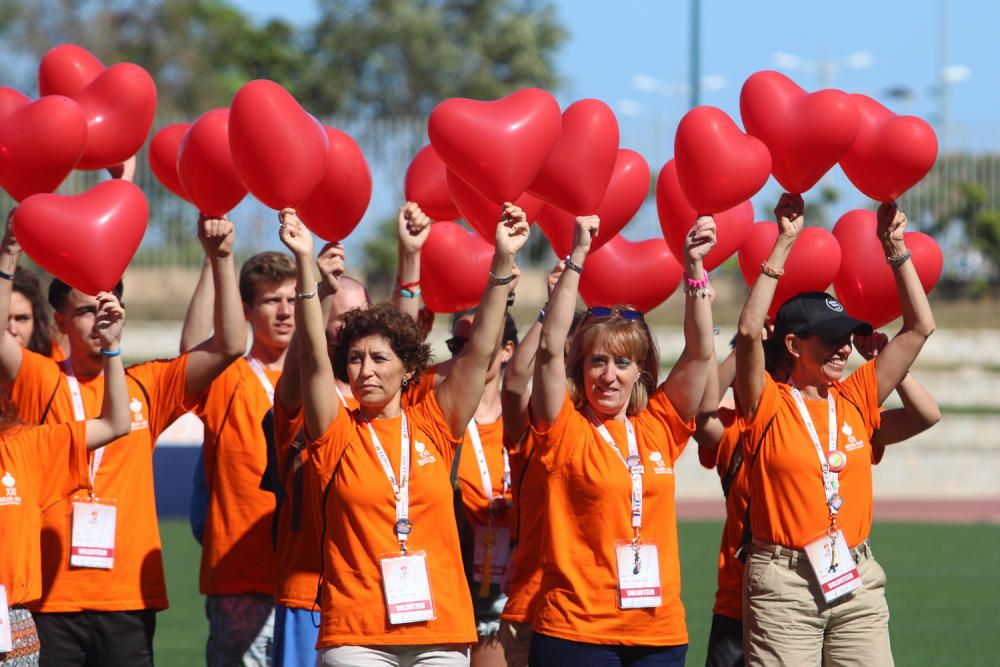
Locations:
(512, 505)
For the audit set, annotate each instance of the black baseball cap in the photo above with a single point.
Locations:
(819, 314)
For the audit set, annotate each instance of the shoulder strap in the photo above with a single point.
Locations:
(735, 462)
(48, 406)
(745, 540)
(520, 488)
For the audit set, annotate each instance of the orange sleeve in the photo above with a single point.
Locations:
(427, 416)
(678, 431)
(164, 382)
(326, 450)
(58, 455)
(550, 449)
(861, 388)
(35, 384)
(767, 408)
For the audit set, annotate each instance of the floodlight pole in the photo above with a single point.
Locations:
(695, 74)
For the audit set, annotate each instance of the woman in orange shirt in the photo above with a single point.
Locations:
(610, 589)
(812, 593)
(392, 590)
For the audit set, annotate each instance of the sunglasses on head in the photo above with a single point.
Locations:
(625, 313)
(456, 343)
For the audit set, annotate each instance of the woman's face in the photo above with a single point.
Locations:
(608, 380)
(21, 320)
(821, 360)
(375, 372)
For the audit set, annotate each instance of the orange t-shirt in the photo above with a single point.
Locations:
(39, 466)
(57, 352)
(787, 499)
(237, 556)
(361, 515)
(299, 553)
(424, 387)
(729, 594)
(588, 511)
(528, 486)
(125, 476)
(470, 479)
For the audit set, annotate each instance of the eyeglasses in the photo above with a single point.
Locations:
(456, 343)
(624, 313)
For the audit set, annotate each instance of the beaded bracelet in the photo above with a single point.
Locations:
(497, 280)
(573, 266)
(6, 276)
(898, 260)
(770, 271)
(696, 288)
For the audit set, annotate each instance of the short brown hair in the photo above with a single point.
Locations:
(628, 338)
(26, 284)
(386, 321)
(264, 267)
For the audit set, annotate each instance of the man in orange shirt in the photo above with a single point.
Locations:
(101, 610)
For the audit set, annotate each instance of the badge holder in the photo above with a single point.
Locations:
(638, 565)
(6, 638)
(406, 582)
(93, 538)
(833, 565)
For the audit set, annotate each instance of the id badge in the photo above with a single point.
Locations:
(836, 572)
(638, 580)
(6, 640)
(498, 545)
(407, 587)
(93, 541)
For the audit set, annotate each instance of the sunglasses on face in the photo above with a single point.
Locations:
(624, 313)
(456, 343)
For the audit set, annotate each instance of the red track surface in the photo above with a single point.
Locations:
(914, 510)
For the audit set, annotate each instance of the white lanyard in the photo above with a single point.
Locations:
(400, 489)
(633, 464)
(265, 381)
(80, 415)
(484, 470)
(831, 479)
(340, 395)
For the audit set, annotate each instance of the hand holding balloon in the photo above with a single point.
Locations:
(890, 227)
(790, 214)
(698, 243)
(512, 231)
(216, 236)
(294, 234)
(109, 321)
(331, 262)
(584, 233)
(413, 226)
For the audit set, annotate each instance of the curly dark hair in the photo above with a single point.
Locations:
(386, 321)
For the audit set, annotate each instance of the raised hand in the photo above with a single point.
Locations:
(890, 228)
(585, 231)
(294, 233)
(512, 230)
(790, 215)
(413, 226)
(216, 236)
(10, 244)
(870, 346)
(109, 321)
(700, 240)
(331, 262)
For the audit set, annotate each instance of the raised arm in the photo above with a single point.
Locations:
(229, 337)
(10, 349)
(115, 418)
(918, 322)
(198, 318)
(460, 391)
(749, 382)
(412, 229)
(685, 385)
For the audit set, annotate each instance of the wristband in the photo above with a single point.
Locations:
(409, 286)
(898, 260)
(111, 353)
(541, 314)
(409, 293)
(573, 266)
(307, 295)
(501, 281)
(510, 299)
(6, 276)
(770, 271)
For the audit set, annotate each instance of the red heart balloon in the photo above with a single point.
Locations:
(806, 133)
(482, 214)
(205, 167)
(677, 218)
(811, 266)
(865, 284)
(163, 149)
(40, 143)
(641, 274)
(119, 105)
(426, 183)
(497, 147)
(890, 153)
(454, 268)
(717, 165)
(85, 240)
(626, 191)
(340, 200)
(576, 175)
(278, 148)
(66, 70)
(10, 101)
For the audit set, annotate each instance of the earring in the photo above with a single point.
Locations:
(406, 381)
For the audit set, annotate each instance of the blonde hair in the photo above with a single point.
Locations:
(626, 338)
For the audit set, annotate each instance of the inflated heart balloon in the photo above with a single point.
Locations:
(641, 274)
(482, 214)
(497, 147)
(340, 200)
(119, 105)
(806, 133)
(66, 70)
(865, 284)
(626, 191)
(163, 149)
(454, 268)
(85, 240)
(890, 153)
(717, 165)
(677, 217)
(576, 175)
(278, 148)
(40, 143)
(10, 101)
(426, 183)
(811, 266)
(205, 167)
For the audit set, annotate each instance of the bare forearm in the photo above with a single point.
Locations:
(199, 314)
(407, 273)
(230, 336)
(319, 403)
(115, 419)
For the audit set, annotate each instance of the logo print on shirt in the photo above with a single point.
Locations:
(139, 421)
(10, 496)
(424, 456)
(852, 442)
(660, 466)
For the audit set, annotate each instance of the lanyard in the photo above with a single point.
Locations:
(401, 488)
(831, 479)
(80, 415)
(484, 470)
(633, 464)
(265, 382)
(340, 395)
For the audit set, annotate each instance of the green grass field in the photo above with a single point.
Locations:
(944, 592)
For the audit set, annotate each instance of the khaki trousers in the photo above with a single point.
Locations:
(787, 622)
